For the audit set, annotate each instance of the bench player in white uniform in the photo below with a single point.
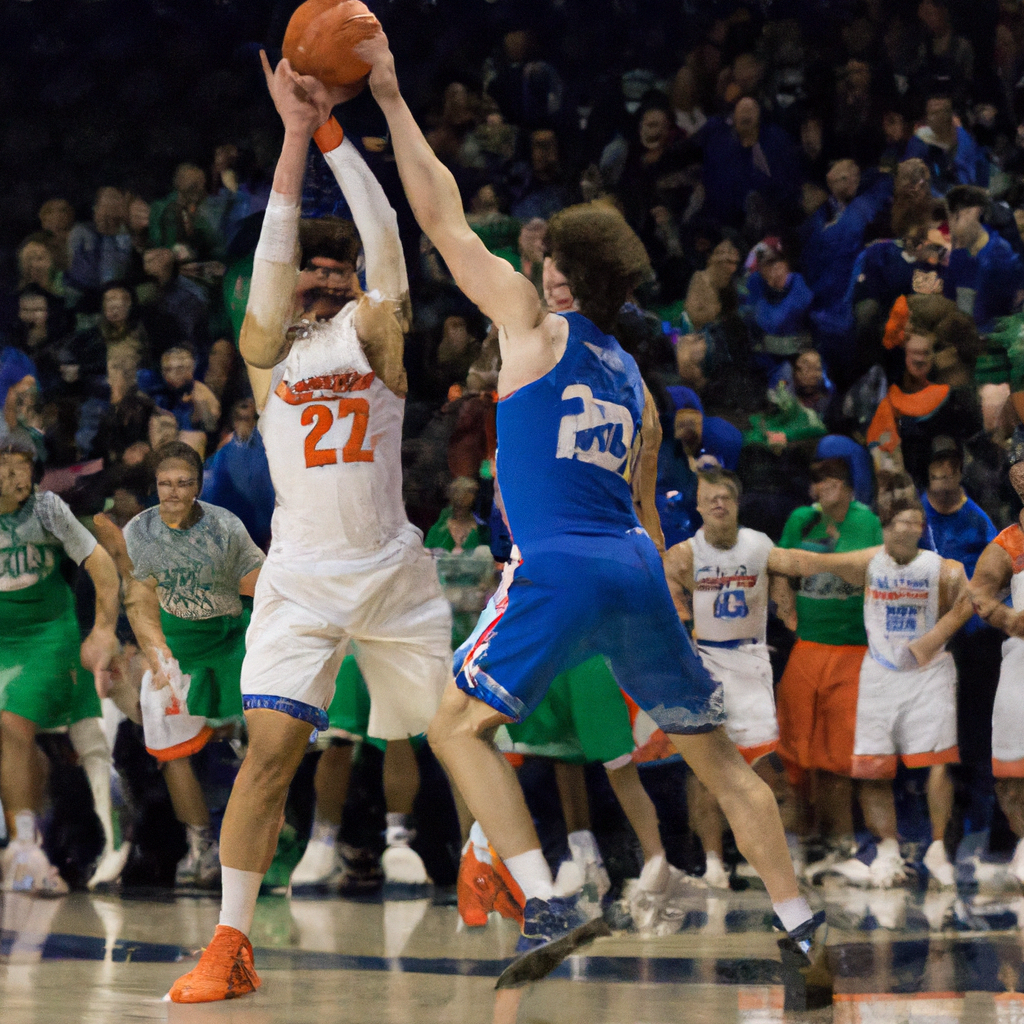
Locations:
(914, 601)
(1001, 565)
(720, 576)
(345, 563)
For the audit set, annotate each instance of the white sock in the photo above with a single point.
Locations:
(583, 846)
(239, 890)
(481, 848)
(793, 913)
(25, 827)
(90, 744)
(323, 832)
(655, 874)
(398, 831)
(532, 874)
(888, 848)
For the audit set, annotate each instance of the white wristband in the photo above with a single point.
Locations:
(280, 232)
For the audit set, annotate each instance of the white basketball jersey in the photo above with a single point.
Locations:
(333, 435)
(731, 597)
(901, 603)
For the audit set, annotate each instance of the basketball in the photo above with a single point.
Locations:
(320, 37)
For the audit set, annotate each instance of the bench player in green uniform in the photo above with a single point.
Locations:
(190, 562)
(46, 671)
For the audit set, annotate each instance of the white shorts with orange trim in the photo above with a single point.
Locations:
(1008, 714)
(394, 613)
(910, 714)
(745, 673)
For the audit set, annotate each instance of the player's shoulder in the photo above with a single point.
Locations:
(142, 524)
(1011, 540)
(755, 537)
(218, 517)
(49, 507)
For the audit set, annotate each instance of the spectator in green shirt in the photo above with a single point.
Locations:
(817, 696)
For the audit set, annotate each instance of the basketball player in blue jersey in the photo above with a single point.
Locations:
(577, 440)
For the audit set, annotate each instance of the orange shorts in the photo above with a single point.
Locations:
(817, 706)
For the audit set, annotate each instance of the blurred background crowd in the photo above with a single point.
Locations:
(831, 193)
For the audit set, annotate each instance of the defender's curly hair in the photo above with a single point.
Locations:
(330, 237)
(601, 257)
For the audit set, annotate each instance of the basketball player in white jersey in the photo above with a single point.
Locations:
(914, 602)
(345, 563)
(719, 577)
(1001, 565)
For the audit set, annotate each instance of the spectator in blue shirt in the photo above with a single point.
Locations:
(950, 151)
(237, 476)
(985, 276)
(743, 155)
(957, 528)
(101, 251)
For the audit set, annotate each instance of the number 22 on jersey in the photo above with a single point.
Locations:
(321, 419)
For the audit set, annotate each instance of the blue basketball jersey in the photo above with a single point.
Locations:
(568, 442)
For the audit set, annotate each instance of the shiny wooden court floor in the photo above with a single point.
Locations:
(900, 957)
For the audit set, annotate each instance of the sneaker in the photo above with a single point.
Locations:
(509, 900)
(888, 868)
(24, 867)
(854, 870)
(714, 873)
(401, 863)
(937, 862)
(320, 864)
(225, 971)
(482, 889)
(587, 857)
(110, 866)
(201, 865)
(806, 977)
(547, 920)
(552, 930)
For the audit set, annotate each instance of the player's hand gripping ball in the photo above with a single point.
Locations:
(320, 38)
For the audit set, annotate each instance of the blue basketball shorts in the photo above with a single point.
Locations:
(579, 597)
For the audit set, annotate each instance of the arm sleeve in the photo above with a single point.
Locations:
(375, 220)
(59, 520)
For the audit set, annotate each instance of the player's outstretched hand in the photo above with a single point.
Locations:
(325, 98)
(297, 110)
(376, 52)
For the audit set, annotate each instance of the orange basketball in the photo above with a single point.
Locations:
(320, 37)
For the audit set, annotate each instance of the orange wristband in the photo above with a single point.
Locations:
(329, 135)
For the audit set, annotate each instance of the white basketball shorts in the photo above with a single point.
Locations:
(1008, 714)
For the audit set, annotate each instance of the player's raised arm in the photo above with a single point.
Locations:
(502, 294)
(955, 606)
(848, 565)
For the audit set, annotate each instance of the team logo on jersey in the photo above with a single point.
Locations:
(731, 604)
(602, 434)
(325, 386)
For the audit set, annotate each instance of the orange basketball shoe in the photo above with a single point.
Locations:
(509, 899)
(482, 888)
(225, 971)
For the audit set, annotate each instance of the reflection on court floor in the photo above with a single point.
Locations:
(899, 956)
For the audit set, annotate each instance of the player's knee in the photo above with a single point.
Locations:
(268, 772)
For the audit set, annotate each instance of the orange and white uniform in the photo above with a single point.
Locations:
(1008, 710)
(903, 709)
(730, 623)
(345, 564)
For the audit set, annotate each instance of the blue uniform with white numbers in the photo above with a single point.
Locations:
(587, 580)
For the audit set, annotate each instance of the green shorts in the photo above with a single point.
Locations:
(211, 652)
(349, 711)
(41, 678)
(582, 718)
